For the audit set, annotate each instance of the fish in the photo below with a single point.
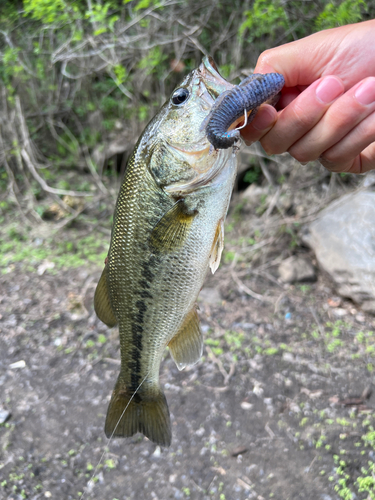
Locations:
(168, 230)
(242, 100)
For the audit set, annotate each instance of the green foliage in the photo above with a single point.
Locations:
(152, 62)
(338, 14)
(253, 174)
(265, 18)
(121, 73)
(100, 18)
(144, 4)
(80, 71)
(50, 11)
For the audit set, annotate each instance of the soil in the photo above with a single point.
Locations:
(282, 394)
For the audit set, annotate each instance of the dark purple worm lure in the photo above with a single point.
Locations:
(242, 99)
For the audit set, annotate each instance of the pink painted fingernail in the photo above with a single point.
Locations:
(365, 93)
(329, 89)
(264, 119)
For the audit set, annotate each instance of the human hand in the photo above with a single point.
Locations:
(327, 107)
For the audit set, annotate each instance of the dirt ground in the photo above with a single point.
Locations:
(280, 406)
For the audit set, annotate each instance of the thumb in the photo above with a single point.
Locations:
(303, 61)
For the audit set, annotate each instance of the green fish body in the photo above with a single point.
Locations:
(167, 231)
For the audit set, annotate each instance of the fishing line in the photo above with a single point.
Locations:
(111, 437)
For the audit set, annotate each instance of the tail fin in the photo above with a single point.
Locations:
(147, 412)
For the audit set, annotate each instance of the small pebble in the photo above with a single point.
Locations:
(4, 415)
(17, 364)
(246, 406)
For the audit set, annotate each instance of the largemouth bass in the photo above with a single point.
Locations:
(167, 230)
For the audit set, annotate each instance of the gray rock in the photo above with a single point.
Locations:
(210, 295)
(343, 239)
(296, 269)
(4, 415)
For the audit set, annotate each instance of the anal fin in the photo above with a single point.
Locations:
(187, 345)
(145, 412)
(102, 303)
(217, 247)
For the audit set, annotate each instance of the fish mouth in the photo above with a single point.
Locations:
(211, 85)
(211, 78)
(207, 164)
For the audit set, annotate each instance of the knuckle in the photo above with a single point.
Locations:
(300, 155)
(303, 120)
(333, 158)
(334, 164)
(327, 164)
(270, 148)
(265, 56)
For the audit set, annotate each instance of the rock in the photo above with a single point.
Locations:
(4, 415)
(246, 406)
(17, 364)
(210, 296)
(343, 239)
(296, 268)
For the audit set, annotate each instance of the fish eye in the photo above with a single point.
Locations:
(180, 96)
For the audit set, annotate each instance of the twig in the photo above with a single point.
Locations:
(269, 431)
(43, 183)
(315, 316)
(88, 158)
(244, 485)
(309, 467)
(273, 203)
(244, 288)
(220, 365)
(265, 171)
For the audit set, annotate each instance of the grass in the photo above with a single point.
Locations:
(70, 251)
(348, 479)
(346, 443)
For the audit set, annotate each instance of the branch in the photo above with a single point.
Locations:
(43, 183)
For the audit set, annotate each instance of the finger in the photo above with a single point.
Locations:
(313, 54)
(344, 125)
(262, 123)
(367, 159)
(343, 51)
(266, 117)
(302, 114)
(359, 165)
(353, 153)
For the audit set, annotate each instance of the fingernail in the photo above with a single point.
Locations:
(329, 89)
(263, 119)
(365, 93)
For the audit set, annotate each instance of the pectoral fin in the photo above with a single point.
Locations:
(102, 303)
(217, 247)
(170, 232)
(187, 345)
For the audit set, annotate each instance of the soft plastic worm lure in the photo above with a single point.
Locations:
(243, 100)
